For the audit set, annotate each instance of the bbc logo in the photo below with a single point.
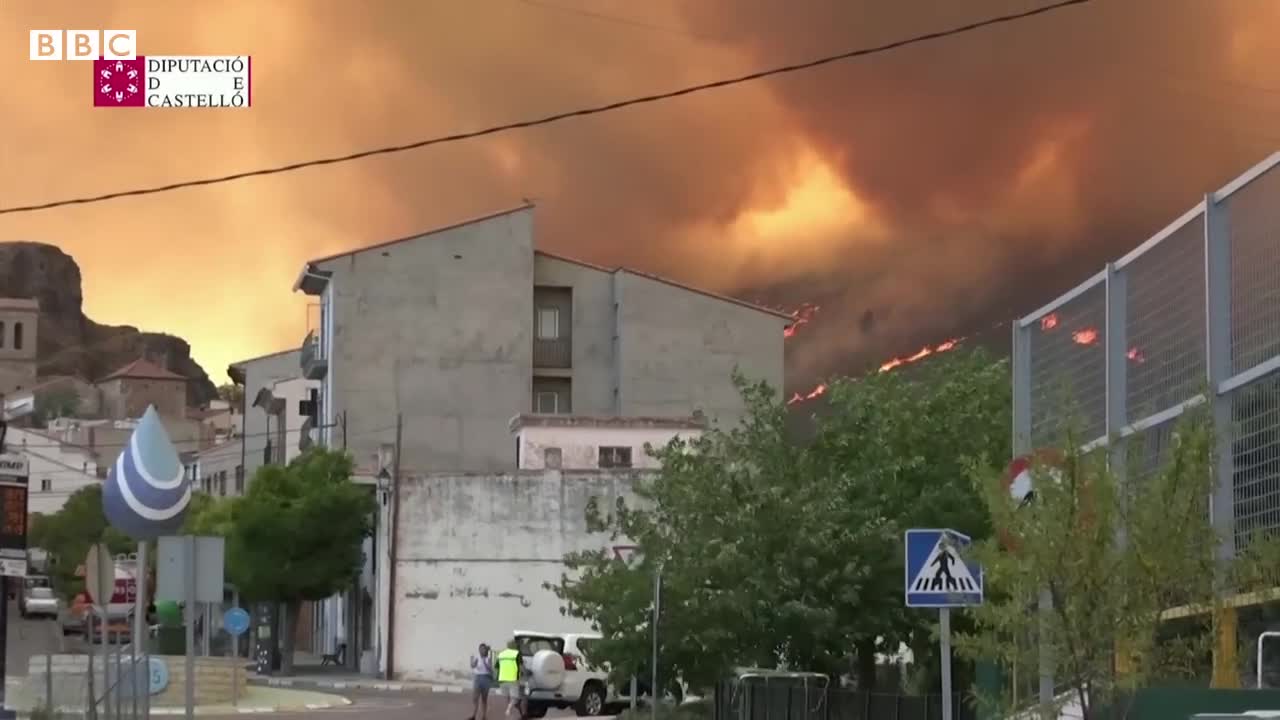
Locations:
(84, 44)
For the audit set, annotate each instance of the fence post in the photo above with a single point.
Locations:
(1217, 284)
(789, 703)
(1022, 444)
(48, 682)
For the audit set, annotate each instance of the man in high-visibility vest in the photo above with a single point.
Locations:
(509, 666)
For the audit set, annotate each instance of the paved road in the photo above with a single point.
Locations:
(405, 706)
(34, 637)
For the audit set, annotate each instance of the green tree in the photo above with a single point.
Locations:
(233, 394)
(209, 515)
(776, 553)
(1117, 557)
(55, 404)
(297, 533)
(69, 533)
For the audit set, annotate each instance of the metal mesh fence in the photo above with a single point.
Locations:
(794, 701)
(1255, 272)
(1165, 353)
(1068, 369)
(1191, 315)
(1255, 457)
(1147, 451)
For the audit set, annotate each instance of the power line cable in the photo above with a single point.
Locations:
(557, 117)
(594, 15)
(13, 446)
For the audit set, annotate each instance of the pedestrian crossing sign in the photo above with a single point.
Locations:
(938, 575)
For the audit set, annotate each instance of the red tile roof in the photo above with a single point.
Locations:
(143, 369)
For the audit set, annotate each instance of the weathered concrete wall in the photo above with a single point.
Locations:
(678, 348)
(580, 446)
(262, 372)
(594, 365)
(474, 552)
(438, 329)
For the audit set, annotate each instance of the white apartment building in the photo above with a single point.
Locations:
(57, 469)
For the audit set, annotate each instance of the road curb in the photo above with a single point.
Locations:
(223, 710)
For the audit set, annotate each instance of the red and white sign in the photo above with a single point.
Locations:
(1021, 485)
(173, 81)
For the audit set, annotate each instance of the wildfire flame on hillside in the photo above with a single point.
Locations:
(1085, 336)
(802, 315)
(894, 363)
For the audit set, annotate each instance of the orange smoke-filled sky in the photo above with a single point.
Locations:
(910, 194)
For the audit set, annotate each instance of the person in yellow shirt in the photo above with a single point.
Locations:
(510, 665)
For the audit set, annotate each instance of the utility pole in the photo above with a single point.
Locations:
(4, 590)
(395, 534)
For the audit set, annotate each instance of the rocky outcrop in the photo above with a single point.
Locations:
(72, 344)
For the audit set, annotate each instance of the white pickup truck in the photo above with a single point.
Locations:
(561, 674)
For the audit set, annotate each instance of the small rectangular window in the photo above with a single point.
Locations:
(548, 403)
(46, 485)
(17, 336)
(615, 457)
(548, 323)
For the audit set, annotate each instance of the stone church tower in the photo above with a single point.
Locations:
(18, 325)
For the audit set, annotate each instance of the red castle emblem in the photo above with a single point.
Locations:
(119, 83)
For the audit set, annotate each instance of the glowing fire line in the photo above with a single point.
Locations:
(1086, 336)
(922, 353)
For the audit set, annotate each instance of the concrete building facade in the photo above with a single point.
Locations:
(289, 426)
(473, 553)
(19, 319)
(461, 328)
(253, 375)
(218, 470)
(56, 469)
(456, 331)
(576, 442)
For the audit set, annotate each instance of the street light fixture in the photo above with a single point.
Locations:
(384, 485)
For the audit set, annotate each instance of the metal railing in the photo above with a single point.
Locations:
(556, 353)
(1128, 351)
(798, 701)
(312, 356)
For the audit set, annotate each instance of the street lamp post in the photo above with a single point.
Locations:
(657, 614)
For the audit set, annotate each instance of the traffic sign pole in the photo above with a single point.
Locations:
(938, 575)
(235, 621)
(944, 627)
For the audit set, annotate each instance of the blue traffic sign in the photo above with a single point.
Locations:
(938, 575)
(236, 621)
(159, 676)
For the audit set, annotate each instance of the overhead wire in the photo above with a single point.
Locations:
(560, 116)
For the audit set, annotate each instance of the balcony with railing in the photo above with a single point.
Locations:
(556, 353)
(315, 365)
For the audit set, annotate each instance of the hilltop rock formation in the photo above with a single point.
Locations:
(72, 344)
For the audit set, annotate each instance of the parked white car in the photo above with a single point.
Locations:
(561, 674)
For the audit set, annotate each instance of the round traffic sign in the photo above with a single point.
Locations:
(158, 676)
(1017, 478)
(236, 621)
(1021, 485)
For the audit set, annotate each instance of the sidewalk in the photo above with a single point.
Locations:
(309, 672)
(349, 681)
(257, 700)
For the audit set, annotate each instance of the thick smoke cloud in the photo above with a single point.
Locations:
(914, 195)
